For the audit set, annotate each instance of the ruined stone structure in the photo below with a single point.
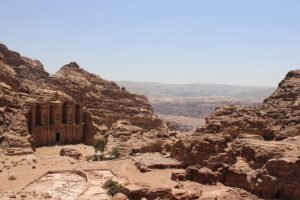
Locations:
(56, 122)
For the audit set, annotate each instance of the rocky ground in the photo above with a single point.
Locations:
(257, 149)
(239, 153)
(32, 181)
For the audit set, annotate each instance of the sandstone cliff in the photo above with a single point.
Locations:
(16, 73)
(24, 81)
(282, 109)
(256, 149)
(104, 101)
(278, 117)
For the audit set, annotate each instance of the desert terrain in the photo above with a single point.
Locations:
(185, 106)
(74, 135)
(29, 169)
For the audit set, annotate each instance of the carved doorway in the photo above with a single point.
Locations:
(57, 137)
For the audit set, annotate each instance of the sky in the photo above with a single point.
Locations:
(168, 41)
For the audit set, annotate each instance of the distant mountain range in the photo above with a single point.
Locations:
(191, 91)
(186, 105)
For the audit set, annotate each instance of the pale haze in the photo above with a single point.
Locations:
(170, 41)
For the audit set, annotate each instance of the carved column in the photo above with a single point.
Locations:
(45, 119)
(70, 113)
(56, 112)
(78, 114)
(70, 121)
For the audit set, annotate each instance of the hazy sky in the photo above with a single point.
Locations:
(254, 42)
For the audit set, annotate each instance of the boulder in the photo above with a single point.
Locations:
(238, 178)
(282, 176)
(71, 153)
(179, 175)
(135, 192)
(204, 175)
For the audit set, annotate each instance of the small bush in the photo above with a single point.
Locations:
(100, 144)
(112, 187)
(115, 152)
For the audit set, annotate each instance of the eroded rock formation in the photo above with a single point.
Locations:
(278, 117)
(24, 82)
(256, 149)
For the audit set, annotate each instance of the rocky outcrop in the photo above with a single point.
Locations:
(235, 120)
(256, 149)
(278, 116)
(197, 149)
(24, 81)
(104, 101)
(136, 192)
(13, 95)
(268, 169)
(280, 178)
(22, 67)
(179, 175)
(204, 175)
(149, 161)
(282, 109)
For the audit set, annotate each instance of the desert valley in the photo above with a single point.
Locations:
(185, 106)
(73, 135)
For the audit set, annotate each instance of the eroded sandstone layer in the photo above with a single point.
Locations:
(257, 149)
(278, 117)
(24, 82)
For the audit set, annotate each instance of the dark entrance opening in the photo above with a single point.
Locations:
(57, 137)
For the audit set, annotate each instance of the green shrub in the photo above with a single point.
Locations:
(100, 144)
(112, 187)
(115, 152)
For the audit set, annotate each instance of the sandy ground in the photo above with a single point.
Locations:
(29, 169)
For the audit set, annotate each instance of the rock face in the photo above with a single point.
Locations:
(268, 169)
(235, 120)
(13, 96)
(278, 117)
(197, 150)
(256, 149)
(282, 109)
(204, 175)
(24, 81)
(104, 101)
